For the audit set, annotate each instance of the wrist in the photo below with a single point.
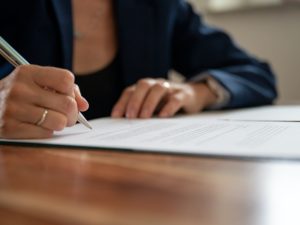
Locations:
(210, 96)
(205, 94)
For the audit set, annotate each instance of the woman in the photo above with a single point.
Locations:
(120, 52)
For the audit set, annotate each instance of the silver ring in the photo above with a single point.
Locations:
(43, 118)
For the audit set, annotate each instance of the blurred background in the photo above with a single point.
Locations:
(269, 29)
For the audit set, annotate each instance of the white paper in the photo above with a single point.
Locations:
(266, 113)
(186, 135)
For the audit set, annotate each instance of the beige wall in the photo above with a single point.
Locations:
(272, 34)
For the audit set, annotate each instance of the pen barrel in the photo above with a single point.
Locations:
(10, 54)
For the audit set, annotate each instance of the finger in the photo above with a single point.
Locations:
(120, 107)
(56, 102)
(35, 95)
(173, 105)
(60, 80)
(61, 104)
(154, 97)
(32, 114)
(53, 121)
(17, 130)
(137, 98)
(82, 103)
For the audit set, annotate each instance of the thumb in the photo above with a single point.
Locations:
(82, 103)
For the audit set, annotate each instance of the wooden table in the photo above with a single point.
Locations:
(71, 186)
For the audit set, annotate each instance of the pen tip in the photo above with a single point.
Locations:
(83, 121)
(86, 124)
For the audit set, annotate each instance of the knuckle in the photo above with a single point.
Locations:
(22, 69)
(159, 87)
(67, 78)
(144, 83)
(22, 72)
(128, 90)
(69, 104)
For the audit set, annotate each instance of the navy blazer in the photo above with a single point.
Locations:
(155, 36)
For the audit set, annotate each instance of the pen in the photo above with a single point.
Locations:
(12, 56)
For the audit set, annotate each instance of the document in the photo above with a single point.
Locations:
(197, 135)
(266, 113)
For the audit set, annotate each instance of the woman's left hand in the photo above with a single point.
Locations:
(158, 96)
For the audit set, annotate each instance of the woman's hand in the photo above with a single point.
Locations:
(28, 92)
(150, 96)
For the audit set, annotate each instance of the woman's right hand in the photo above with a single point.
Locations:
(30, 90)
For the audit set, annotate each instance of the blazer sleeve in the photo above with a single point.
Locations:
(199, 49)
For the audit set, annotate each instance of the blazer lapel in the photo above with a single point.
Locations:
(63, 12)
(136, 35)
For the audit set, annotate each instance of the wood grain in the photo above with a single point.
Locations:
(71, 186)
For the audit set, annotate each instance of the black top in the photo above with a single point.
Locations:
(101, 89)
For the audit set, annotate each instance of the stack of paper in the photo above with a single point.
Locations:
(257, 132)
